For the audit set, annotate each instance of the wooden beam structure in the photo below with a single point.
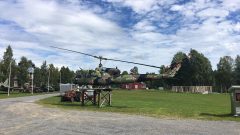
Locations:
(99, 97)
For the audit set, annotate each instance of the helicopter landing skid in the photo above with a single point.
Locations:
(100, 96)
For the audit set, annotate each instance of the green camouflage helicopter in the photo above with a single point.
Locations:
(108, 76)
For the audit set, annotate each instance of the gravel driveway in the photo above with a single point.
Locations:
(21, 116)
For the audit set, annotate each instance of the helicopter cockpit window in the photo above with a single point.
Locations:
(104, 68)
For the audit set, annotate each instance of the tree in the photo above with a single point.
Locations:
(201, 69)
(223, 76)
(183, 76)
(124, 73)
(43, 74)
(134, 70)
(195, 69)
(54, 77)
(1, 72)
(178, 57)
(23, 66)
(7, 59)
(67, 75)
(237, 71)
(37, 77)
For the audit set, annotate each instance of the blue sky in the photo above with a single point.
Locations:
(144, 31)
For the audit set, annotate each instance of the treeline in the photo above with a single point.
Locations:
(196, 70)
(20, 72)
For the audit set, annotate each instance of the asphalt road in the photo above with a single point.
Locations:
(21, 116)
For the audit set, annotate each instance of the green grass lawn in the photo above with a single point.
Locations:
(160, 104)
(4, 94)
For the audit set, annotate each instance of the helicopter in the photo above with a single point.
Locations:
(107, 76)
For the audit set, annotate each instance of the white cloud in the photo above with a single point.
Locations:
(214, 36)
(177, 8)
(58, 25)
(202, 26)
(137, 5)
(231, 5)
(142, 6)
(144, 25)
(212, 12)
(237, 27)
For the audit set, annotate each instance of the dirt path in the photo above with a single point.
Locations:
(21, 116)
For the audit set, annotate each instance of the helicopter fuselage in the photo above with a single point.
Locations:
(122, 79)
(113, 76)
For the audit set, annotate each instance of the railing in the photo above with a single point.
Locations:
(192, 89)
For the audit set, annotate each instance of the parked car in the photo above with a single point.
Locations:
(45, 89)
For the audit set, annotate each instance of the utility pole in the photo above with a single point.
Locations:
(60, 77)
(60, 81)
(48, 78)
(9, 77)
(32, 82)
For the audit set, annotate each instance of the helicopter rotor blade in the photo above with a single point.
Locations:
(76, 52)
(134, 63)
(102, 58)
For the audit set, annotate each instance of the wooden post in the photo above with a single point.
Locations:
(94, 97)
(83, 93)
(110, 98)
(99, 98)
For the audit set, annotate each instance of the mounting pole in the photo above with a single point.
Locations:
(9, 77)
(100, 64)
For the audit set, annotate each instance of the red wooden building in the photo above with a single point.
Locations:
(136, 85)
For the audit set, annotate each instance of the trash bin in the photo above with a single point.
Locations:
(235, 100)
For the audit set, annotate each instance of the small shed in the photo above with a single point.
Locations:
(136, 85)
(15, 82)
(66, 87)
(235, 100)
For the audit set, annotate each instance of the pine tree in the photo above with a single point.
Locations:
(224, 73)
(237, 71)
(54, 77)
(43, 74)
(23, 74)
(37, 77)
(183, 76)
(67, 75)
(201, 69)
(1, 72)
(195, 69)
(5, 64)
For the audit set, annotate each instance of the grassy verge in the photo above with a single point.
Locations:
(4, 94)
(159, 104)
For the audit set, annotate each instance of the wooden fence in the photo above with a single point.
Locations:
(192, 89)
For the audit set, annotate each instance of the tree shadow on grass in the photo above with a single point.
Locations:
(227, 115)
